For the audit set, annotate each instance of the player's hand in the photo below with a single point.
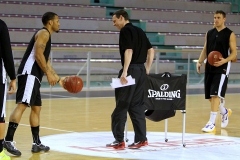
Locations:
(219, 63)
(198, 66)
(123, 78)
(51, 79)
(62, 81)
(12, 87)
(147, 71)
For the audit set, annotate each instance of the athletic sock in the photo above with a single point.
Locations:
(1, 145)
(35, 135)
(213, 116)
(222, 109)
(11, 131)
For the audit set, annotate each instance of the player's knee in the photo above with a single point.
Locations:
(214, 97)
(2, 120)
(36, 109)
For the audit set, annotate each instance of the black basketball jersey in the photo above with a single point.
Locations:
(29, 64)
(6, 56)
(219, 41)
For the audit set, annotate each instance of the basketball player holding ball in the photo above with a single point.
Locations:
(221, 39)
(34, 64)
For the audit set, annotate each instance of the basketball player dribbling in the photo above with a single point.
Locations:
(34, 64)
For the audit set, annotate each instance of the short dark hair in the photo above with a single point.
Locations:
(122, 12)
(47, 17)
(221, 12)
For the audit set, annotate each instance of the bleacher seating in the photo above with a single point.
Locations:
(163, 4)
(83, 2)
(105, 24)
(173, 4)
(169, 22)
(177, 15)
(108, 37)
(184, 26)
(38, 8)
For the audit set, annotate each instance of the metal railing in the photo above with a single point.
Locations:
(97, 72)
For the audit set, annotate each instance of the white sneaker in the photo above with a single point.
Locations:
(225, 118)
(210, 127)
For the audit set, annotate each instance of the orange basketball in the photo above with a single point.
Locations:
(214, 56)
(73, 84)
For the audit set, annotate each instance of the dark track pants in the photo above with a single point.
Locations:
(130, 99)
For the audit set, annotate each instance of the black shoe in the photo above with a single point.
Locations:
(116, 145)
(39, 147)
(10, 147)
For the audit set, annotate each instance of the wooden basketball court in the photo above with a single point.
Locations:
(81, 114)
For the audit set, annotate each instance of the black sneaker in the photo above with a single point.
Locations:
(39, 147)
(10, 147)
(116, 145)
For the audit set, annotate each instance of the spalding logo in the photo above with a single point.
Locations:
(164, 87)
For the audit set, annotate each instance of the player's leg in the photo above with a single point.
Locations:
(2, 120)
(14, 120)
(23, 94)
(225, 112)
(208, 82)
(214, 108)
(217, 90)
(34, 119)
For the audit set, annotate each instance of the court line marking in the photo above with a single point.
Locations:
(60, 96)
(68, 97)
(27, 125)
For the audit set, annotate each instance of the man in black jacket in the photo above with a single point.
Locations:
(135, 50)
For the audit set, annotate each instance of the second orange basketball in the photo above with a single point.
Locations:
(213, 57)
(73, 84)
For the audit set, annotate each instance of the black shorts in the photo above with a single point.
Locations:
(3, 92)
(215, 85)
(28, 91)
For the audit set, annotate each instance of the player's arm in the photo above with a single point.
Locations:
(7, 57)
(52, 71)
(150, 56)
(127, 44)
(202, 56)
(233, 48)
(127, 59)
(233, 51)
(41, 39)
(60, 80)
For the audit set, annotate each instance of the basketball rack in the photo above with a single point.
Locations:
(166, 129)
(183, 128)
(178, 104)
